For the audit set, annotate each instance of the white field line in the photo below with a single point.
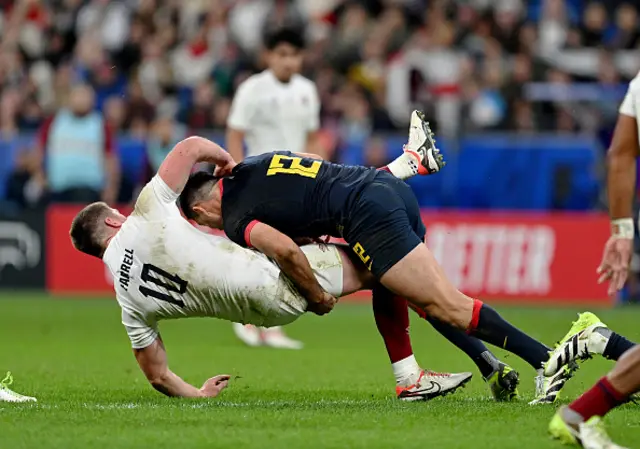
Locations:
(212, 404)
(201, 405)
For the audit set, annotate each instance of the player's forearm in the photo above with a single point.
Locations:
(313, 144)
(172, 385)
(235, 141)
(295, 266)
(200, 149)
(621, 181)
(112, 168)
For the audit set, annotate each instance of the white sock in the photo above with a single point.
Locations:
(406, 370)
(598, 340)
(404, 166)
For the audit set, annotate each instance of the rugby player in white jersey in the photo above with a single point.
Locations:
(275, 109)
(164, 268)
(581, 421)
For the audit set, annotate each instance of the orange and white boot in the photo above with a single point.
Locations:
(427, 385)
(422, 145)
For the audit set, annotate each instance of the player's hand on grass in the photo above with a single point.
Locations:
(615, 263)
(324, 305)
(215, 385)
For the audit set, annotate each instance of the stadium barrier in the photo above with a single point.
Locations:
(22, 259)
(507, 256)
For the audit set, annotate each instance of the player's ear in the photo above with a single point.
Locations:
(199, 210)
(112, 222)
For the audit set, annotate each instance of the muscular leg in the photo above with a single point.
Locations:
(612, 390)
(578, 422)
(442, 301)
(392, 320)
(391, 315)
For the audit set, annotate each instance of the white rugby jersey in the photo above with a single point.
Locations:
(631, 104)
(275, 115)
(164, 268)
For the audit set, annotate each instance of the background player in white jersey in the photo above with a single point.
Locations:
(273, 110)
(580, 422)
(164, 268)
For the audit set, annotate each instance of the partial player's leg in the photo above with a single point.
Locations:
(382, 232)
(580, 422)
(274, 337)
(500, 377)
(412, 383)
(392, 320)
(587, 336)
(420, 155)
(420, 279)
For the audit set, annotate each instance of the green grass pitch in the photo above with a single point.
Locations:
(336, 393)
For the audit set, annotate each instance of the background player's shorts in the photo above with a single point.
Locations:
(385, 224)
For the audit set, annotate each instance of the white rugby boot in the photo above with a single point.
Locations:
(429, 385)
(548, 388)
(582, 340)
(247, 334)
(422, 145)
(8, 395)
(274, 337)
(593, 435)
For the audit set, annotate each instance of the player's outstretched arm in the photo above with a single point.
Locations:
(294, 264)
(153, 362)
(177, 166)
(621, 184)
(621, 173)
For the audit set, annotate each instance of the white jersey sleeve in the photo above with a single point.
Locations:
(631, 104)
(141, 332)
(314, 117)
(157, 201)
(242, 108)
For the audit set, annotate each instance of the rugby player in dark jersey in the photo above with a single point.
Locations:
(269, 201)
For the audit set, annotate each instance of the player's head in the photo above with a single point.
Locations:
(284, 56)
(93, 227)
(198, 200)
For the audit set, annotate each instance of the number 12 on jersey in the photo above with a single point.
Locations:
(171, 282)
(292, 165)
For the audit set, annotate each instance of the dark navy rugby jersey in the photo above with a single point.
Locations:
(298, 196)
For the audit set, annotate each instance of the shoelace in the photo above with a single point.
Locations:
(435, 374)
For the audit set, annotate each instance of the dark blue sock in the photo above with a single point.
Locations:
(492, 328)
(616, 346)
(486, 362)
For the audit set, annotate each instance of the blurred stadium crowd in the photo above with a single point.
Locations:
(158, 69)
(372, 60)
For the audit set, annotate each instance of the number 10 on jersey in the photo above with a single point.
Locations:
(172, 283)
